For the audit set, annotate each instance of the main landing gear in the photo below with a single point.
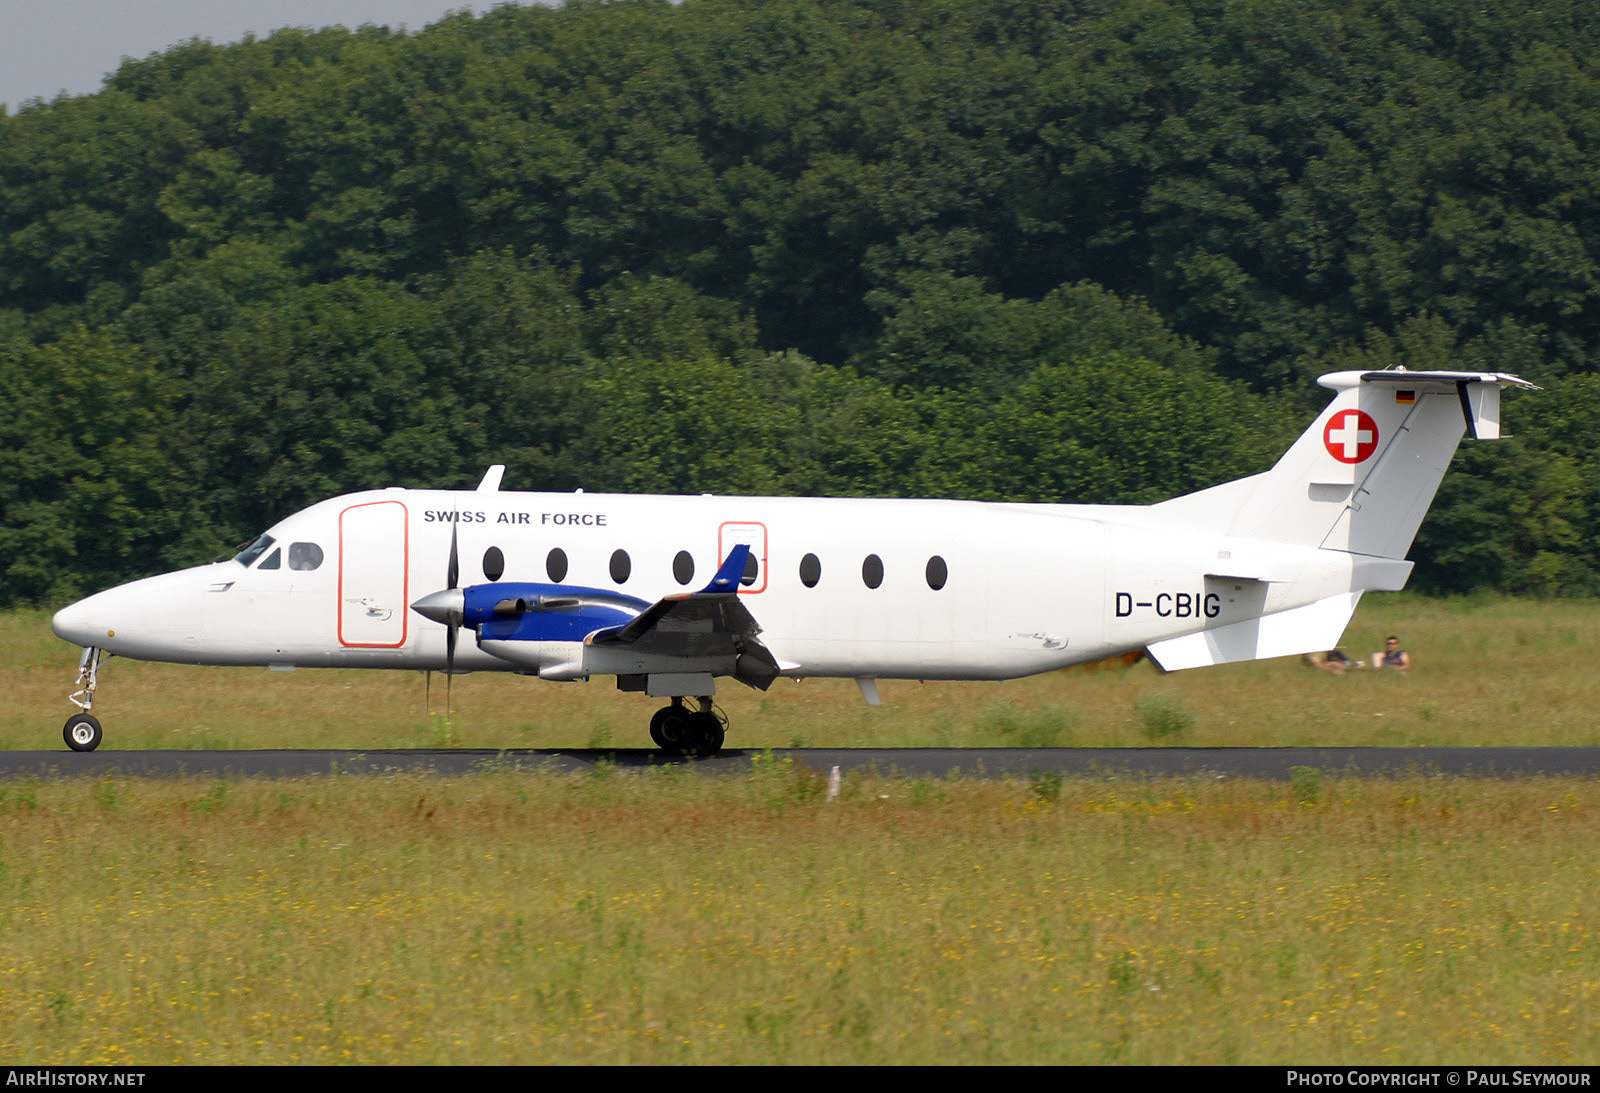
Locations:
(683, 731)
(82, 732)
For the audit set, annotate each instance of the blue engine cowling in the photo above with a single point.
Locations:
(526, 611)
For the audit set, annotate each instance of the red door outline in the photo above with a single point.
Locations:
(345, 565)
(754, 534)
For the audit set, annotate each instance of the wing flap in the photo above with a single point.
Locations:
(711, 624)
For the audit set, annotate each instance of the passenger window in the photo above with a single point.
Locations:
(683, 567)
(872, 571)
(273, 560)
(810, 570)
(752, 569)
(494, 564)
(937, 573)
(621, 566)
(555, 565)
(304, 557)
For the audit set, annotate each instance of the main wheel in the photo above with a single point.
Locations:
(82, 732)
(667, 728)
(704, 734)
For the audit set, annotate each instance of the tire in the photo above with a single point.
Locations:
(667, 728)
(82, 732)
(703, 735)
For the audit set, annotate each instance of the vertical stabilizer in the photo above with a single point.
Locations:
(1361, 478)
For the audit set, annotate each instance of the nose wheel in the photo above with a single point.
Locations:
(82, 732)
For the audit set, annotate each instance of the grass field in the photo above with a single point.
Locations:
(1488, 671)
(663, 917)
(651, 919)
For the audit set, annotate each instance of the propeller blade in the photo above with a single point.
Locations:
(453, 627)
(448, 608)
(449, 669)
(453, 573)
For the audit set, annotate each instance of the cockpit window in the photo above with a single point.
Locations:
(274, 560)
(254, 550)
(304, 556)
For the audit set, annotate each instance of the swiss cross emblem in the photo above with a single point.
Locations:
(1351, 436)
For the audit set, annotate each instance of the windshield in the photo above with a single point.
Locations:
(253, 551)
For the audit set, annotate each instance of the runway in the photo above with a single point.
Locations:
(1270, 763)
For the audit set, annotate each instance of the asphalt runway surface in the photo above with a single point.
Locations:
(1275, 763)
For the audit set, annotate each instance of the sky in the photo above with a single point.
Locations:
(50, 46)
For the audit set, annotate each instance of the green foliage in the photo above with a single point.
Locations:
(952, 248)
(1163, 717)
(690, 426)
(948, 332)
(1045, 785)
(332, 386)
(1120, 429)
(1029, 726)
(1512, 519)
(88, 490)
(652, 318)
(1305, 785)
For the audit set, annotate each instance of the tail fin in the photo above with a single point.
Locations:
(1361, 478)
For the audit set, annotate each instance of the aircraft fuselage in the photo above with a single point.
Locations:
(842, 587)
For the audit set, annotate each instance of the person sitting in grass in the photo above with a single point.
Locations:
(1392, 656)
(1333, 661)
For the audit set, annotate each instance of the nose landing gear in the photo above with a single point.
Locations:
(82, 731)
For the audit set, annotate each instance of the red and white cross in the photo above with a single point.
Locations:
(1351, 436)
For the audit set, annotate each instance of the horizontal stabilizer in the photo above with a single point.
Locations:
(1314, 628)
(1477, 392)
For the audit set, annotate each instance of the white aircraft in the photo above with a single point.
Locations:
(668, 594)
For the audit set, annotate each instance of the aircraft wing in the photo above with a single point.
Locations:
(708, 623)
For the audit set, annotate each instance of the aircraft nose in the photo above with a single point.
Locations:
(448, 606)
(74, 623)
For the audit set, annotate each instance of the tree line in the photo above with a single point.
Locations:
(1063, 250)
